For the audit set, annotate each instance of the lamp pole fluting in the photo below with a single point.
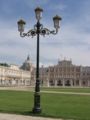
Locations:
(37, 31)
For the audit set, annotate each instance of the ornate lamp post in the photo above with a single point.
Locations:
(37, 31)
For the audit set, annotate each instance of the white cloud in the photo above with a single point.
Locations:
(72, 41)
(51, 47)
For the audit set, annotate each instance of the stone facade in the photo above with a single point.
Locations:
(14, 75)
(85, 76)
(64, 74)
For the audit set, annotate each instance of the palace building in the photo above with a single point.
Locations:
(13, 75)
(63, 74)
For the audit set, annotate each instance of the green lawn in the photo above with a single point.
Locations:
(76, 107)
(59, 89)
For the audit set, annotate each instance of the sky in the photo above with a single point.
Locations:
(71, 43)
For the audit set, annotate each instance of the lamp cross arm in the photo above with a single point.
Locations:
(31, 32)
(46, 31)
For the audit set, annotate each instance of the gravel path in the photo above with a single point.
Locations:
(4, 116)
(68, 93)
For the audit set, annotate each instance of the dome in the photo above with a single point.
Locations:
(27, 65)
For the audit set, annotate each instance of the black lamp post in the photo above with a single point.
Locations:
(37, 31)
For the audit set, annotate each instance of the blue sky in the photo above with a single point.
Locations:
(71, 42)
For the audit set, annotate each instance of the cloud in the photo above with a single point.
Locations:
(35, 3)
(72, 40)
(13, 48)
(55, 7)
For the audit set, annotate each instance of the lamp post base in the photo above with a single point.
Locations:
(36, 108)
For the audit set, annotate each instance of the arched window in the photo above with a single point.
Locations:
(67, 83)
(59, 83)
(51, 82)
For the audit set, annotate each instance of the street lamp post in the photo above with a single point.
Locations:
(37, 31)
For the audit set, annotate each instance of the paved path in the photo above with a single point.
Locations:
(4, 116)
(69, 93)
(21, 88)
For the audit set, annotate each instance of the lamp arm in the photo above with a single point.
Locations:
(23, 34)
(43, 31)
(54, 32)
(46, 31)
(31, 32)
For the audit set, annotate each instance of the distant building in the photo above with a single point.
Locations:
(27, 65)
(13, 75)
(85, 76)
(64, 74)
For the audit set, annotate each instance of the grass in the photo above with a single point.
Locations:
(80, 90)
(15, 101)
(75, 107)
(67, 106)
